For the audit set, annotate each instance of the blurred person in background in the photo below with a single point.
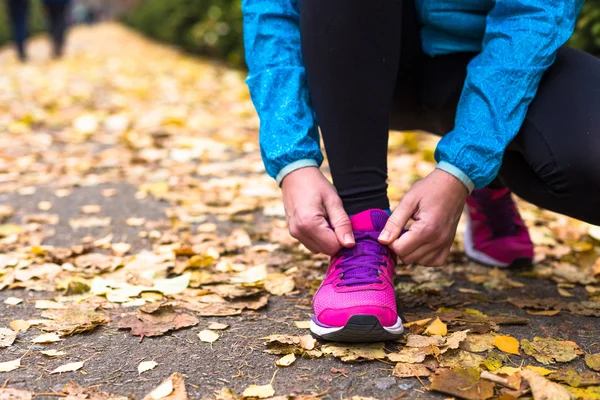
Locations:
(57, 12)
(18, 12)
(518, 112)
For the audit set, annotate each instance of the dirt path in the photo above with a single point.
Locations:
(128, 167)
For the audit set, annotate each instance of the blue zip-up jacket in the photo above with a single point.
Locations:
(516, 40)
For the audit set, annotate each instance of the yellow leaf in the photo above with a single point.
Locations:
(53, 353)
(302, 324)
(286, 360)
(420, 322)
(261, 392)
(437, 327)
(541, 370)
(564, 292)
(507, 344)
(12, 301)
(19, 325)
(46, 338)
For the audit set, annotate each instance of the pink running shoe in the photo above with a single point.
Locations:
(356, 301)
(496, 234)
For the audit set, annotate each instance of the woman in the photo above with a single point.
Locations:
(518, 113)
(18, 11)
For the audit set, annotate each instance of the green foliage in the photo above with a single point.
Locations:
(36, 21)
(209, 27)
(587, 34)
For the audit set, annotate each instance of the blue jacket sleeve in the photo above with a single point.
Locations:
(520, 43)
(289, 138)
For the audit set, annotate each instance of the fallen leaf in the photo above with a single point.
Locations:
(437, 327)
(217, 326)
(302, 324)
(46, 338)
(15, 394)
(421, 322)
(408, 355)
(260, 392)
(146, 366)
(89, 222)
(286, 360)
(120, 249)
(507, 344)
(70, 367)
(573, 378)
(53, 353)
(208, 336)
(76, 392)
(49, 305)
(464, 383)
(406, 370)
(91, 209)
(478, 343)
(354, 352)
(13, 301)
(10, 365)
(19, 325)
(564, 292)
(156, 324)
(593, 361)
(172, 388)
(7, 337)
(548, 313)
(71, 321)
(543, 389)
(549, 350)
(424, 341)
(279, 284)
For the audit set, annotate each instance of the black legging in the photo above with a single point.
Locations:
(57, 24)
(366, 72)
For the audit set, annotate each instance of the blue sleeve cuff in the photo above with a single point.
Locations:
(457, 173)
(285, 171)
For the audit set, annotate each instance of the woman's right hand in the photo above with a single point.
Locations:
(310, 202)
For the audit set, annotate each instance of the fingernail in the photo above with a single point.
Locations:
(385, 235)
(348, 238)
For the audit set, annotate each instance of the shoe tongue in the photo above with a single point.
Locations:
(372, 220)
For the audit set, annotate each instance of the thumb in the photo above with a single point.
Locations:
(398, 220)
(339, 220)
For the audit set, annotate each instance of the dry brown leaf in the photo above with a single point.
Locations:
(157, 323)
(71, 321)
(46, 338)
(478, 343)
(279, 284)
(355, 352)
(463, 383)
(15, 394)
(406, 370)
(217, 326)
(408, 355)
(49, 305)
(76, 392)
(543, 389)
(172, 388)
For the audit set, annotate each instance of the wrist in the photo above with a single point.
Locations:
(456, 173)
(294, 166)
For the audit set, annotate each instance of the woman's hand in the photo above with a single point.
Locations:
(435, 203)
(310, 201)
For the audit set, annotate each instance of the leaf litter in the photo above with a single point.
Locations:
(196, 268)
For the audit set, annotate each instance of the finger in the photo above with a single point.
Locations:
(325, 238)
(423, 251)
(339, 220)
(397, 221)
(434, 258)
(420, 233)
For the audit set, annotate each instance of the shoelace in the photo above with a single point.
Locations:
(362, 263)
(499, 212)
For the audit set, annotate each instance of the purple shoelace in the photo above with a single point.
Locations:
(362, 263)
(500, 213)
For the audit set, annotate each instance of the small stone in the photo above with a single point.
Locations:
(385, 383)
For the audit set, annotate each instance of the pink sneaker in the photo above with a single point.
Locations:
(496, 234)
(356, 301)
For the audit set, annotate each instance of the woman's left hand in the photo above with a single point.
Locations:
(435, 203)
